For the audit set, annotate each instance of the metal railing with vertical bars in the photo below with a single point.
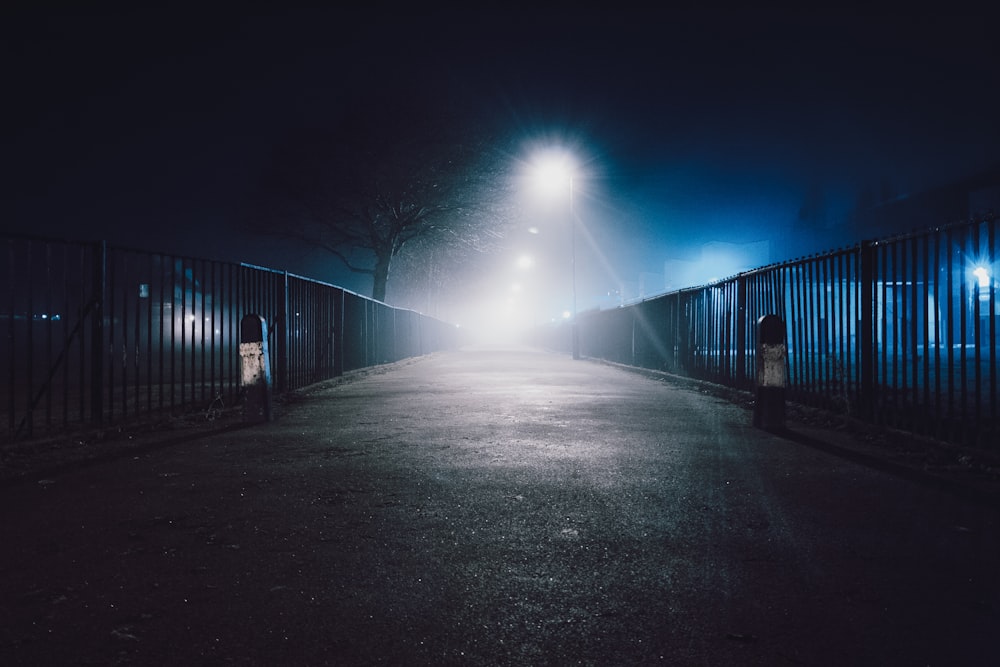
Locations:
(899, 332)
(98, 335)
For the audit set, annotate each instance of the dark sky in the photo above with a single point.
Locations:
(149, 127)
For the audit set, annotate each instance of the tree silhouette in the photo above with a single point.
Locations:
(384, 180)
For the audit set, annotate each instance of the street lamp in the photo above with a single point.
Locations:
(554, 171)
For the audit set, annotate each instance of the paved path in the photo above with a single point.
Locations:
(496, 507)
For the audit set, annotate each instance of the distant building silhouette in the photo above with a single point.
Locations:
(954, 202)
(718, 260)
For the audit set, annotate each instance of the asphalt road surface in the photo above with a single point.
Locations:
(495, 507)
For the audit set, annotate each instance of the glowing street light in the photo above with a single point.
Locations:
(982, 274)
(554, 172)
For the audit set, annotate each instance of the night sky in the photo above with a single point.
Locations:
(151, 127)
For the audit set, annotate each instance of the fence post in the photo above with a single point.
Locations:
(866, 330)
(680, 338)
(97, 333)
(772, 354)
(338, 333)
(255, 369)
(281, 335)
(395, 356)
(743, 338)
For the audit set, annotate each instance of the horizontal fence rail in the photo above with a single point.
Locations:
(900, 332)
(97, 335)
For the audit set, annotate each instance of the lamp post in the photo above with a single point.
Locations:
(573, 325)
(555, 171)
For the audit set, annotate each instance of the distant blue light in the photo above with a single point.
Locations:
(983, 275)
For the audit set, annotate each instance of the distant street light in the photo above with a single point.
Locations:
(982, 274)
(554, 171)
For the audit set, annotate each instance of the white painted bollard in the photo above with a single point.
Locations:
(772, 374)
(255, 369)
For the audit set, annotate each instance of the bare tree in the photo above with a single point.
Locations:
(385, 180)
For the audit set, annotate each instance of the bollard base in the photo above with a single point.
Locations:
(769, 409)
(257, 405)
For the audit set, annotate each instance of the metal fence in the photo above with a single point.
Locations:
(900, 332)
(97, 335)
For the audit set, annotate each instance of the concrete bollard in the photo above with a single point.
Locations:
(772, 355)
(255, 369)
